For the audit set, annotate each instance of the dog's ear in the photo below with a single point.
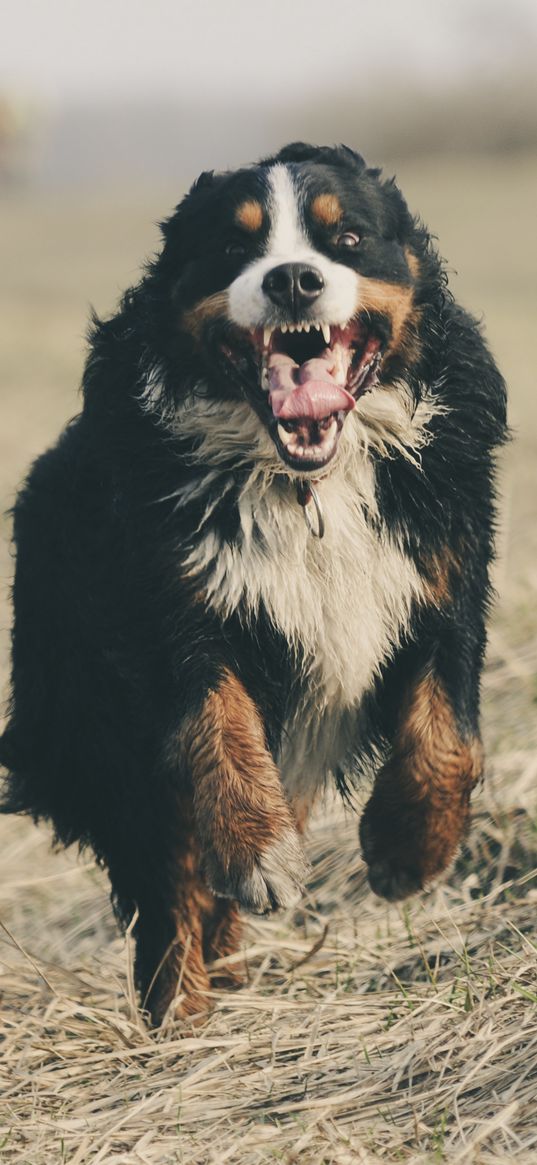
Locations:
(206, 181)
(206, 178)
(175, 230)
(350, 155)
(296, 152)
(332, 155)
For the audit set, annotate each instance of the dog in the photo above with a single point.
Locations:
(258, 560)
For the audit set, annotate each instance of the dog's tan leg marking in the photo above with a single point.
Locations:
(205, 928)
(178, 968)
(303, 807)
(419, 810)
(440, 572)
(221, 938)
(249, 841)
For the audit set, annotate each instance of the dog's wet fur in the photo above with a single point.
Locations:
(190, 664)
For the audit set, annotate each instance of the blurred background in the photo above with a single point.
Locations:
(108, 111)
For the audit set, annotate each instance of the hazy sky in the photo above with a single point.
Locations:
(67, 49)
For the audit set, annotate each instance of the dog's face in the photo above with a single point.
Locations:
(295, 282)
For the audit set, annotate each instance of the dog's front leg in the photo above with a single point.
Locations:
(250, 848)
(419, 809)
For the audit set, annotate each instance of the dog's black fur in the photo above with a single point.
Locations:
(115, 651)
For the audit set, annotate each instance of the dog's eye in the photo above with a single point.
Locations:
(235, 248)
(348, 240)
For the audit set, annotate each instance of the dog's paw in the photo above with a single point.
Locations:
(392, 873)
(270, 880)
(392, 881)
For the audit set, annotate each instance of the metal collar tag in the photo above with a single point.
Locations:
(306, 495)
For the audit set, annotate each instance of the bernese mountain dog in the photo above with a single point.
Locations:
(258, 561)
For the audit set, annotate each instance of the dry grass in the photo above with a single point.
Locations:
(365, 1032)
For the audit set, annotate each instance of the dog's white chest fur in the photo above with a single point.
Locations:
(343, 602)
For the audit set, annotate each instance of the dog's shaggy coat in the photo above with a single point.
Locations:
(190, 664)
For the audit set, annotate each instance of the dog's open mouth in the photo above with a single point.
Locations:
(313, 374)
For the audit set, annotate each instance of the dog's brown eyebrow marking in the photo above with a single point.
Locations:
(327, 209)
(250, 215)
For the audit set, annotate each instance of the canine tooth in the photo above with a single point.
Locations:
(267, 332)
(291, 328)
(283, 327)
(325, 329)
(307, 327)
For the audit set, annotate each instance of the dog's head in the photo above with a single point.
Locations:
(296, 287)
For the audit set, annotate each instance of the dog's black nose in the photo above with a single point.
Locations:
(293, 286)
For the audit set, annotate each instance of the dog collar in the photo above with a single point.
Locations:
(307, 495)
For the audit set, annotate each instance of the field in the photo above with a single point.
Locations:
(365, 1033)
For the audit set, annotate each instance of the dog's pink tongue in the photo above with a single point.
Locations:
(305, 390)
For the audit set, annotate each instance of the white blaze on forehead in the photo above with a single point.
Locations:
(287, 238)
(288, 242)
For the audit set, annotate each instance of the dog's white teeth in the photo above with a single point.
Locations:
(267, 333)
(284, 436)
(283, 328)
(291, 328)
(307, 327)
(325, 329)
